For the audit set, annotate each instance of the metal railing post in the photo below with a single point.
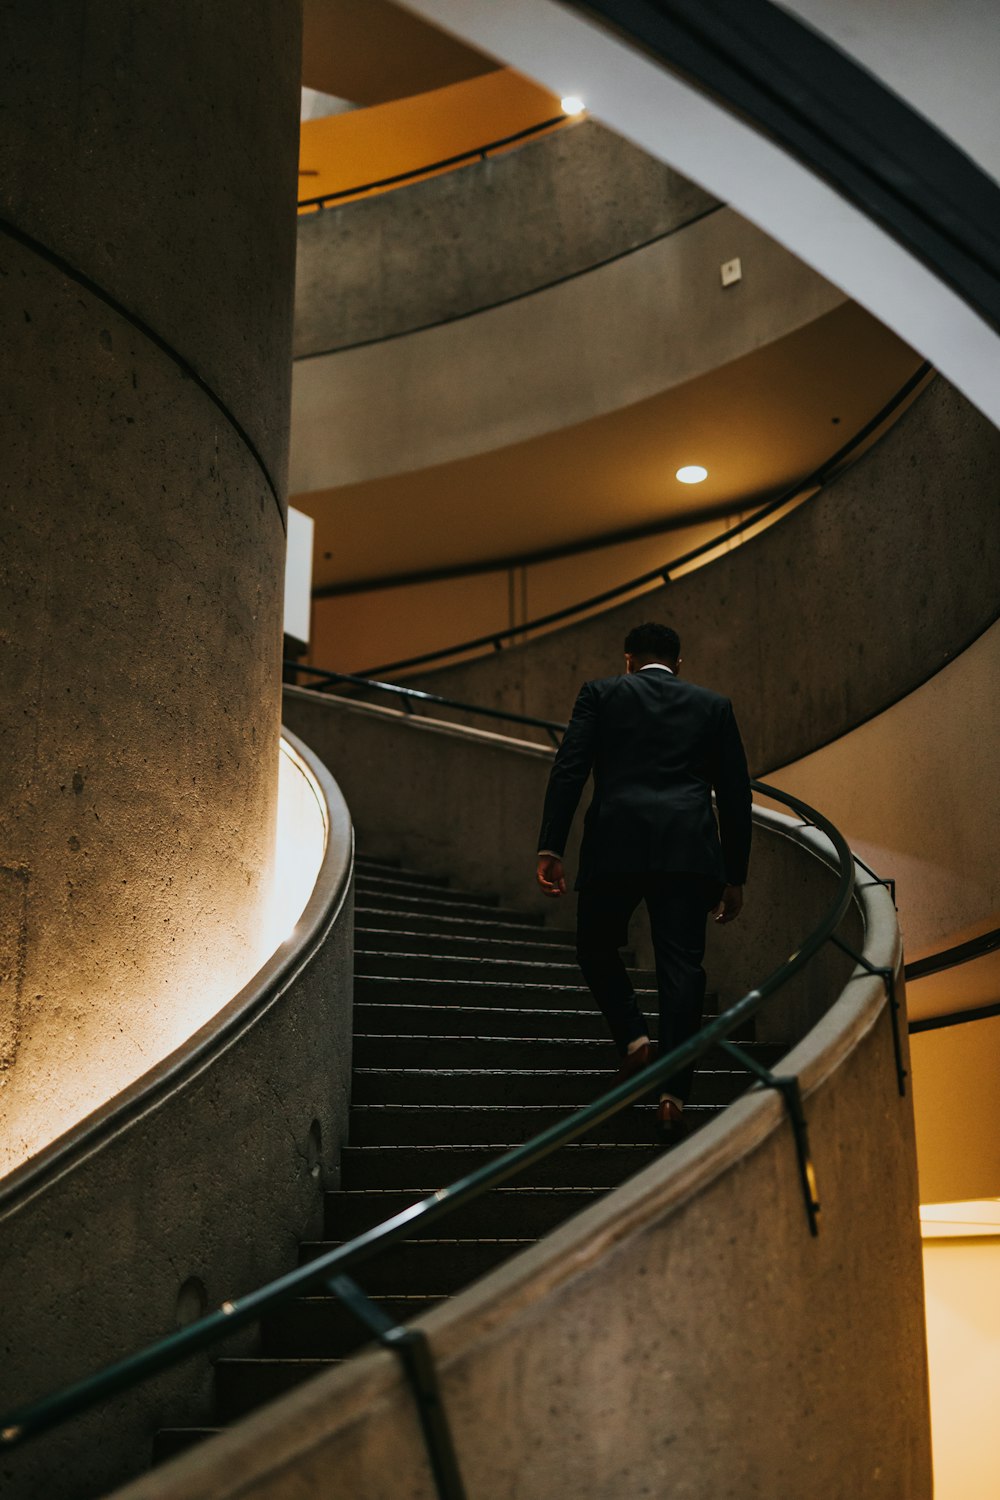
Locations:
(412, 1347)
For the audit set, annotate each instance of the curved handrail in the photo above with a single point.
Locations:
(18, 1426)
(811, 482)
(419, 695)
(476, 153)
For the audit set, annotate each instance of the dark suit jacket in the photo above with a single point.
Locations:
(657, 746)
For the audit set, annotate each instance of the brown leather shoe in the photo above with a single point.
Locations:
(635, 1062)
(671, 1125)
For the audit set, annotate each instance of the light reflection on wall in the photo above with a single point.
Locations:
(303, 827)
(91, 1056)
(962, 1291)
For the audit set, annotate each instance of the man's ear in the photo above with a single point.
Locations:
(629, 663)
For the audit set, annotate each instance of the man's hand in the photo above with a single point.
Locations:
(549, 875)
(731, 904)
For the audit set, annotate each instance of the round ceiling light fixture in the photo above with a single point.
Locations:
(572, 105)
(692, 474)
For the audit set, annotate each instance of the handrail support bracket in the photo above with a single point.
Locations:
(413, 1349)
(791, 1093)
(888, 978)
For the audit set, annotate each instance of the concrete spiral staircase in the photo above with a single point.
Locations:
(472, 1033)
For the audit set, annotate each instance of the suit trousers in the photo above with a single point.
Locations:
(678, 907)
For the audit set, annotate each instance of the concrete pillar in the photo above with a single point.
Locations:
(147, 237)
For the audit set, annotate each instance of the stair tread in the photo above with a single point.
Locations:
(489, 990)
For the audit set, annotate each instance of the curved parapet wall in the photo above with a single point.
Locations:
(562, 355)
(192, 1185)
(453, 245)
(686, 1327)
(146, 274)
(821, 621)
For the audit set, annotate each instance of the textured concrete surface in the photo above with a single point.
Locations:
(154, 150)
(821, 621)
(204, 1177)
(140, 544)
(625, 331)
(685, 1336)
(453, 244)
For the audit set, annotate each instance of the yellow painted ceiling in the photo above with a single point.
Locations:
(370, 51)
(757, 424)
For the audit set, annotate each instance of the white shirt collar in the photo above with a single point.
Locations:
(657, 666)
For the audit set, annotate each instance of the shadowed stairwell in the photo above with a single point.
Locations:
(473, 1032)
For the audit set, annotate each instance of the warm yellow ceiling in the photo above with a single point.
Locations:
(370, 51)
(757, 424)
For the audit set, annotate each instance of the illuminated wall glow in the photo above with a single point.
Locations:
(174, 993)
(303, 828)
(962, 1291)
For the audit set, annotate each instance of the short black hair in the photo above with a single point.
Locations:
(652, 642)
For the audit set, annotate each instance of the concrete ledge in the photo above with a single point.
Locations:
(685, 1332)
(193, 1185)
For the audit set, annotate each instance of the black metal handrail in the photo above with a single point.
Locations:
(812, 482)
(475, 153)
(410, 696)
(330, 1270)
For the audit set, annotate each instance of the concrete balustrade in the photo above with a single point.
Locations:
(819, 622)
(452, 245)
(686, 1333)
(566, 353)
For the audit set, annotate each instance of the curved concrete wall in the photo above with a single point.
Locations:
(793, 199)
(147, 166)
(560, 356)
(809, 627)
(683, 1336)
(915, 791)
(194, 1185)
(452, 245)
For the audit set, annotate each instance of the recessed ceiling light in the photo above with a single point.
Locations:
(692, 474)
(571, 105)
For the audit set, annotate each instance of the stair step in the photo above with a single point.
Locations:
(395, 990)
(426, 1169)
(243, 1384)
(455, 1047)
(496, 1125)
(543, 946)
(323, 1328)
(375, 869)
(438, 906)
(383, 1017)
(483, 967)
(501, 1213)
(412, 890)
(398, 1007)
(170, 1441)
(428, 1086)
(447, 923)
(430, 1268)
